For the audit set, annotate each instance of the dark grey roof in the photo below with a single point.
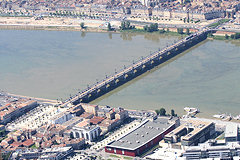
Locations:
(142, 134)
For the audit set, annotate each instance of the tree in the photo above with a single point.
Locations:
(226, 36)
(125, 25)
(210, 35)
(187, 31)
(161, 31)
(237, 35)
(145, 28)
(151, 28)
(162, 112)
(173, 112)
(82, 25)
(180, 30)
(232, 36)
(109, 27)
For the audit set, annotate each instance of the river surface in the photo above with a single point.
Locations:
(55, 64)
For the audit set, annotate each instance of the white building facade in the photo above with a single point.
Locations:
(90, 133)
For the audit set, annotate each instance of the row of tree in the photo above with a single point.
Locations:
(162, 112)
(151, 28)
(125, 25)
(233, 36)
(180, 31)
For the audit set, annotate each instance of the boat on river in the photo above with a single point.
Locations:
(220, 116)
(190, 110)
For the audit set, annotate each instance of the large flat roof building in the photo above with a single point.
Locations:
(231, 132)
(143, 137)
(191, 133)
(213, 150)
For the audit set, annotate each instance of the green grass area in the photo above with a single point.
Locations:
(221, 137)
(219, 38)
(175, 34)
(156, 32)
(115, 156)
(214, 25)
(229, 38)
(133, 30)
(128, 158)
(34, 146)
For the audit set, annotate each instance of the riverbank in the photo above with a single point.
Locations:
(61, 24)
(54, 102)
(43, 100)
(91, 25)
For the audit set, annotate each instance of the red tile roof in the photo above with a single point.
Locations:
(16, 144)
(28, 143)
(96, 120)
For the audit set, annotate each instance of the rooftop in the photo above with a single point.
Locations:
(197, 126)
(142, 134)
(96, 120)
(231, 130)
(86, 115)
(83, 123)
(72, 121)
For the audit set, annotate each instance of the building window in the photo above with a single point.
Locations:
(96, 134)
(77, 135)
(91, 136)
(87, 137)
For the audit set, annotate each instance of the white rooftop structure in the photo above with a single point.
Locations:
(231, 130)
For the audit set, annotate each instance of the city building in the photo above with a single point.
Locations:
(231, 132)
(76, 110)
(142, 137)
(107, 125)
(96, 120)
(73, 121)
(85, 130)
(15, 109)
(191, 133)
(61, 118)
(111, 114)
(213, 150)
(47, 153)
(238, 17)
(121, 114)
(90, 108)
(76, 143)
